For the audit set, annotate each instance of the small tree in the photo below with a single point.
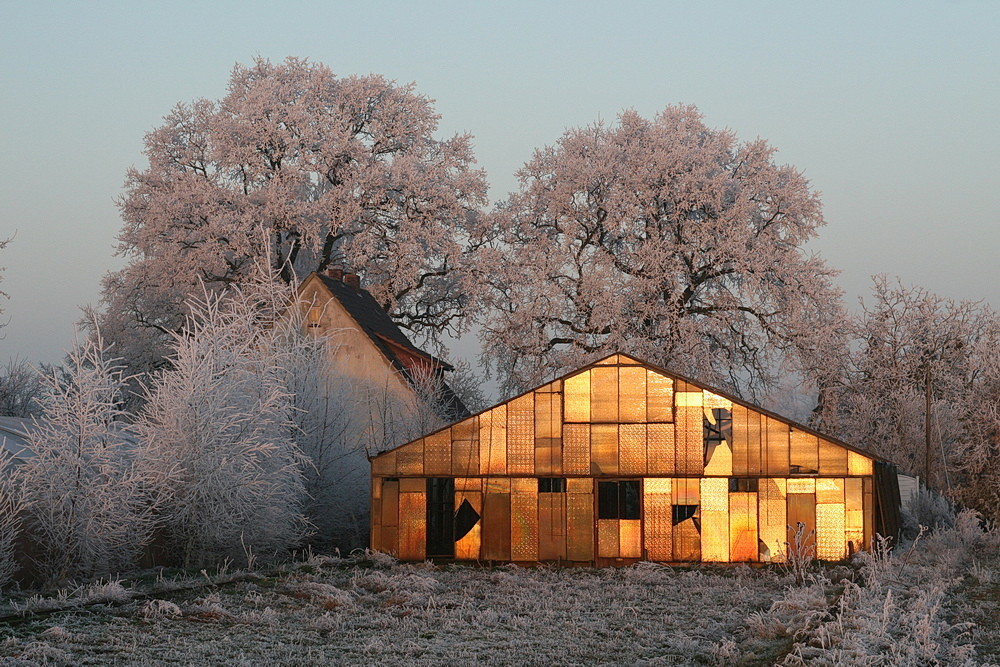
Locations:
(89, 507)
(20, 388)
(11, 509)
(218, 439)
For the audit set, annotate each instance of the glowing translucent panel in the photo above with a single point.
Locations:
(576, 391)
(613, 359)
(691, 399)
(739, 443)
(854, 519)
(801, 509)
(690, 440)
(772, 513)
(607, 538)
(468, 547)
(630, 538)
(803, 453)
(604, 394)
(437, 453)
(632, 394)
(552, 526)
(412, 520)
(753, 443)
(802, 486)
(657, 513)
(496, 529)
(388, 518)
(830, 539)
(832, 458)
(604, 449)
(777, 437)
(829, 490)
(686, 514)
(711, 400)
(524, 519)
(858, 464)
(743, 543)
(715, 519)
(493, 441)
(550, 387)
(659, 397)
(548, 433)
(632, 449)
(715, 494)
(580, 520)
(465, 448)
(660, 449)
(576, 449)
(410, 459)
(384, 464)
(521, 435)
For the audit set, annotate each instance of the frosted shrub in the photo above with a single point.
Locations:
(159, 609)
(218, 440)
(89, 506)
(11, 509)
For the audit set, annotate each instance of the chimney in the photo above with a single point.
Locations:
(352, 280)
(335, 273)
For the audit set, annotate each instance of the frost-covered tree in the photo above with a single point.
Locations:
(664, 238)
(20, 388)
(89, 507)
(917, 349)
(218, 438)
(335, 169)
(12, 507)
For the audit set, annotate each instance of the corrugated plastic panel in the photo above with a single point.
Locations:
(773, 517)
(659, 397)
(521, 436)
(604, 449)
(657, 511)
(493, 441)
(524, 519)
(576, 449)
(632, 449)
(660, 449)
(743, 527)
(576, 391)
(632, 394)
(604, 394)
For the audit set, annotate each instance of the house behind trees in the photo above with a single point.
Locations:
(370, 349)
(621, 461)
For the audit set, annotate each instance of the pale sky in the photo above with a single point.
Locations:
(892, 110)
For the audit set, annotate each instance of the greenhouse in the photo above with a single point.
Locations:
(622, 461)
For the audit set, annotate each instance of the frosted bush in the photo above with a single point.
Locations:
(159, 609)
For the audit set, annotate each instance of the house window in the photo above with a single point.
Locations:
(618, 500)
(313, 317)
(552, 485)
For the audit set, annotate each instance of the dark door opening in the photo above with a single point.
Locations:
(440, 517)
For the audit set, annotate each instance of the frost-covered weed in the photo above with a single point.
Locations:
(159, 609)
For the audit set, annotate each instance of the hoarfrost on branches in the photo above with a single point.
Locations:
(88, 504)
(916, 347)
(336, 169)
(218, 438)
(666, 239)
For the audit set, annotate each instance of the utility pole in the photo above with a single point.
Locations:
(927, 427)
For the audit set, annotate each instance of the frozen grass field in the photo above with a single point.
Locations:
(933, 604)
